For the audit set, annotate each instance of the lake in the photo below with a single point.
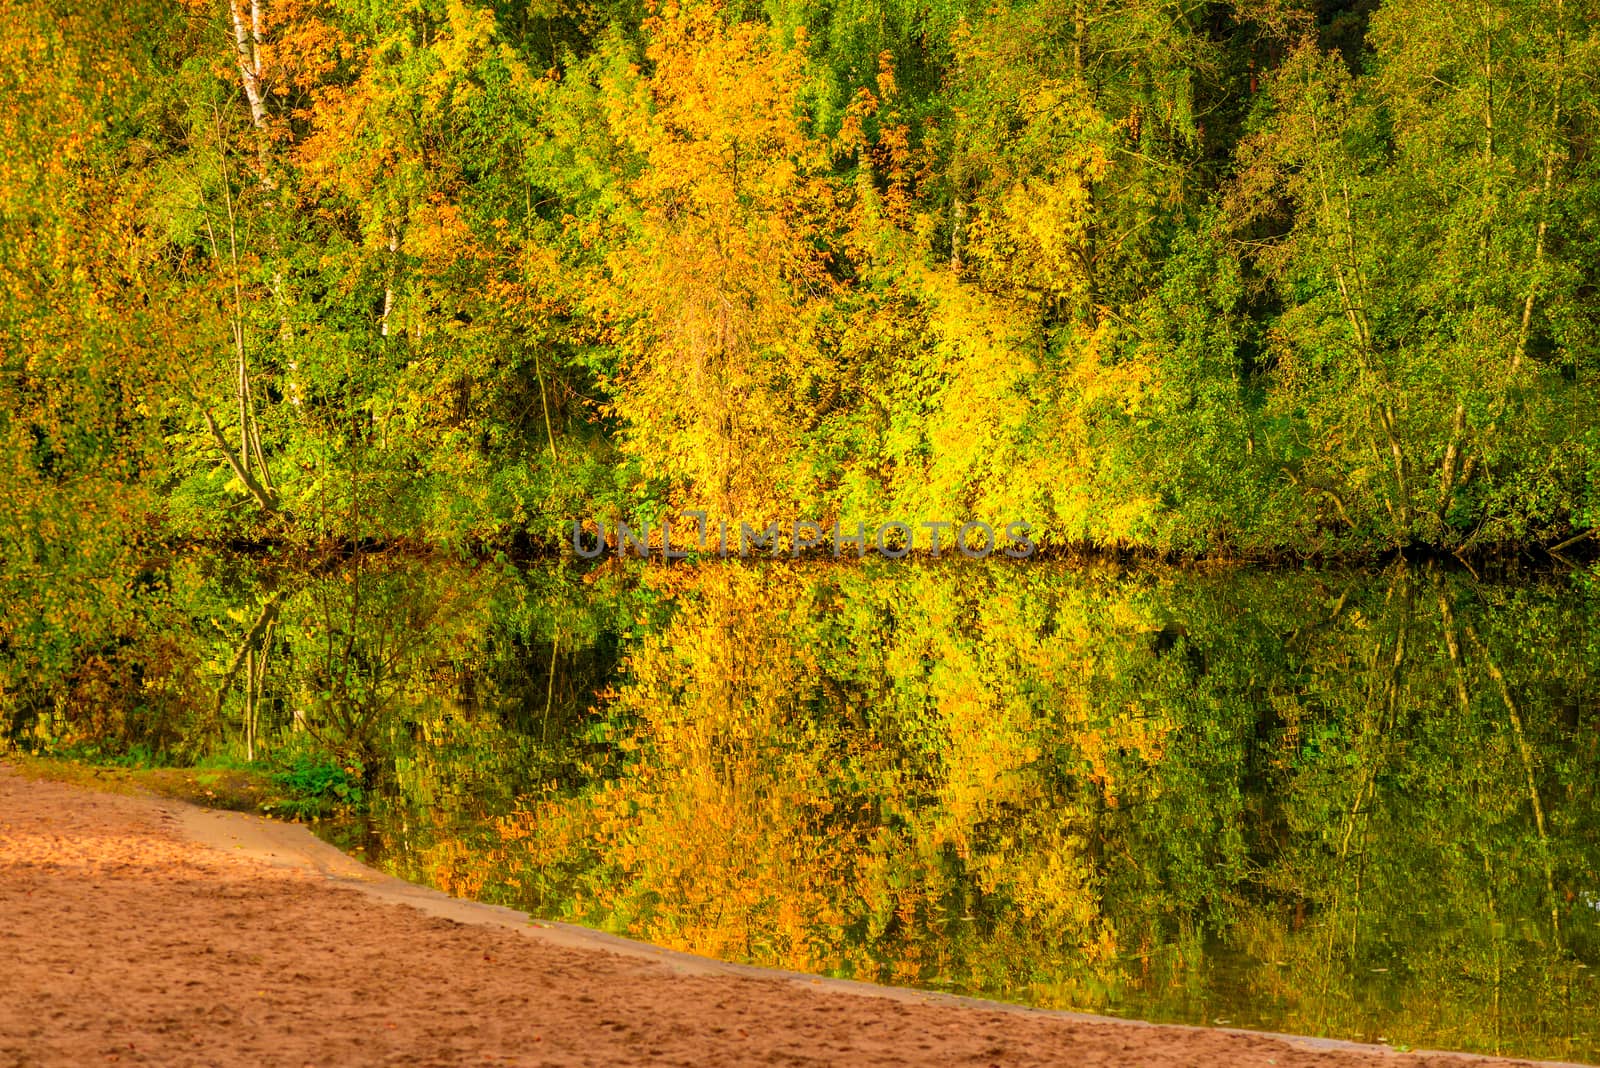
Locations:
(1359, 804)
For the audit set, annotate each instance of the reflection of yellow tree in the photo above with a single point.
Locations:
(775, 806)
(725, 807)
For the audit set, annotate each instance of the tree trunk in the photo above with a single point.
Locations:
(247, 53)
(264, 497)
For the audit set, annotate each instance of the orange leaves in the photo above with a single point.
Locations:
(387, 125)
(437, 231)
(339, 116)
(888, 152)
(305, 48)
(720, 133)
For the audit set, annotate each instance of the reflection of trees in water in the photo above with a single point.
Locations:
(252, 655)
(1358, 801)
(1352, 803)
(375, 656)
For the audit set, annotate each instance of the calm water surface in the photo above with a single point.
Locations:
(1354, 804)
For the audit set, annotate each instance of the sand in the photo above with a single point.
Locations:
(144, 931)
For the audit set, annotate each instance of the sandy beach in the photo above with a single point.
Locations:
(144, 931)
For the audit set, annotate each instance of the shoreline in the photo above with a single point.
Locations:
(222, 882)
(294, 845)
(1572, 548)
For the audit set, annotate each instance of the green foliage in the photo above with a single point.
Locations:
(311, 786)
(112, 751)
(1141, 274)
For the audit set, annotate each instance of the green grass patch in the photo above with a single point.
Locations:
(297, 785)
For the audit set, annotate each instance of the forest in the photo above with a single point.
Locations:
(1260, 278)
(323, 321)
